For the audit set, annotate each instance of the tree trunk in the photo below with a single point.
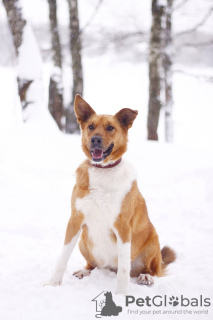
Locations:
(16, 21)
(29, 63)
(55, 86)
(167, 63)
(17, 24)
(155, 65)
(75, 47)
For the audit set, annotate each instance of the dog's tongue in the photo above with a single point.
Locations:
(97, 154)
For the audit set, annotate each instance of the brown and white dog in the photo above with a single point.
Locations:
(108, 210)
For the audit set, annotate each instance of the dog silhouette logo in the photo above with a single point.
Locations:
(105, 306)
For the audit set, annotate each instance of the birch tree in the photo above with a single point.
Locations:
(77, 70)
(161, 54)
(167, 65)
(155, 66)
(55, 86)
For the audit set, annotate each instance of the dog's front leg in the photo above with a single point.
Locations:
(72, 234)
(124, 260)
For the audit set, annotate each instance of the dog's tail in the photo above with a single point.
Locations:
(168, 256)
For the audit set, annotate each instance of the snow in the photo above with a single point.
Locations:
(37, 166)
(10, 106)
(30, 67)
(37, 176)
(30, 62)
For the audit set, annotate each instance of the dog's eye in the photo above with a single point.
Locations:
(91, 127)
(110, 128)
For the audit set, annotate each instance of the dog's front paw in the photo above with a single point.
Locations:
(56, 280)
(145, 279)
(52, 282)
(122, 288)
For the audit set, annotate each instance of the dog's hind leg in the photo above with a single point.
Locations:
(145, 279)
(148, 263)
(84, 272)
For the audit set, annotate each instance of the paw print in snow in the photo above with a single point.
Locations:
(173, 301)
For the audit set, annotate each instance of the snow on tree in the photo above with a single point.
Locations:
(10, 107)
(29, 62)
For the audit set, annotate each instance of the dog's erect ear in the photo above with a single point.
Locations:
(126, 117)
(83, 110)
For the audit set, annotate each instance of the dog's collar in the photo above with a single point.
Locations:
(111, 165)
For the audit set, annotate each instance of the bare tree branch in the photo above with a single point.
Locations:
(197, 76)
(180, 5)
(123, 36)
(193, 45)
(107, 40)
(198, 25)
(92, 16)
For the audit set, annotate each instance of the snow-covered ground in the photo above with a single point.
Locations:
(37, 166)
(37, 176)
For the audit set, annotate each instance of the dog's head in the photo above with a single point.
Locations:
(104, 137)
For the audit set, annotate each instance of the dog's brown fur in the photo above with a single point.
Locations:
(133, 223)
(128, 225)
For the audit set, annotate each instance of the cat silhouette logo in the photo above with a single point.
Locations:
(105, 306)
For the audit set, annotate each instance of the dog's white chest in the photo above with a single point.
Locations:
(102, 206)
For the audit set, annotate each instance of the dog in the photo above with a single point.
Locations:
(107, 208)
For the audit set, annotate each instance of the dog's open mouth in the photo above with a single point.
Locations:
(99, 154)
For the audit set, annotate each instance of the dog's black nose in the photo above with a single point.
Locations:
(96, 141)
